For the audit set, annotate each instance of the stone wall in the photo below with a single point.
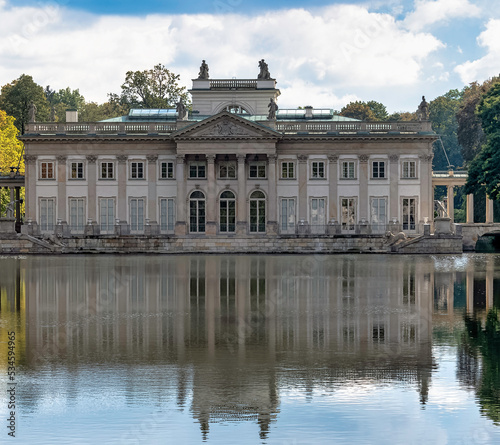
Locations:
(174, 245)
(472, 232)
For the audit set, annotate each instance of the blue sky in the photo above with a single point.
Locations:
(322, 53)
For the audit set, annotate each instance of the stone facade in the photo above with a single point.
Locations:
(228, 169)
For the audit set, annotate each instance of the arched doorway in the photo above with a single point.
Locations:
(197, 212)
(227, 212)
(257, 212)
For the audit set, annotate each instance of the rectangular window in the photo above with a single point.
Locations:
(378, 214)
(136, 214)
(378, 169)
(107, 215)
(257, 170)
(77, 214)
(107, 170)
(47, 170)
(137, 170)
(227, 170)
(167, 214)
(47, 213)
(317, 170)
(409, 213)
(287, 216)
(409, 169)
(287, 170)
(348, 170)
(77, 170)
(197, 170)
(167, 170)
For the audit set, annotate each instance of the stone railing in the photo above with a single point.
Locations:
(233, 83)
(91, 128)
(353, 127)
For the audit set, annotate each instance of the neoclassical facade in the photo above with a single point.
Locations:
(234, 165)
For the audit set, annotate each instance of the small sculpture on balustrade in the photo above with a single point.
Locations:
(32, 112)
(273, 108)
(203, 74)
(52, 113)
(264, 71)
(181, 110)
(423, 110)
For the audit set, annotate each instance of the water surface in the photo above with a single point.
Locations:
(344, 349)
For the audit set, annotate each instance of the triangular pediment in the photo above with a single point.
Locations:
(225, 125)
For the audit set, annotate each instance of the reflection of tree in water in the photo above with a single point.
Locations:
(482, 345)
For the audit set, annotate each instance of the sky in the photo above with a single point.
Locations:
(322, 53)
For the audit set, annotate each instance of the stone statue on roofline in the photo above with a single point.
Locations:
(423, 110)
(203, 74)
(181, 110)
(32, 112)
(273, 108)
(264, 71)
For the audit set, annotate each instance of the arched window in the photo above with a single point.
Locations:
(197, 212)
(258, 212)
(236, 109)
(227, 212)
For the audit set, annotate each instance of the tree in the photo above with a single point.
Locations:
(470, 132)
(379, 110)
(442, 114)
(484, 169)
(11, 150)
(16, 97)
(358, 110)
(402, 116)
(93, 112)
(154, 88)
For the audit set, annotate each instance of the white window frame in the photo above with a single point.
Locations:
(106, 175)
(74, 170)
(47, 177)
(406, 169)
(46, 226)
(287, 170)
(77, 221)
(167, 214)
(138, 224)
(197, 164)
(164, 172)
(318, 169)
(109, 227)
(346, 172)
(378, 176)
(255, 169)
(139, 173)
(230, 166)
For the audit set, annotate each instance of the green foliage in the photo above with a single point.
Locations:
(93, 112)
(442, 114)
(402, 116)
(379, 110)
(484, 169)
(358, 110)
(154, 88)
(16, 97)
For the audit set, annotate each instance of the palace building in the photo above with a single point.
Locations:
(234, 165)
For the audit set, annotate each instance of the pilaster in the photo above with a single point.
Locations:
(152, 196)
(272, 220)
(302, 170)
(363, 187)
(241, 215)
(61, 187)
(333, 160)
(92, 187)
(121, 210)
(30, 187)
(180, 224)
(394, 187)
(211, 225)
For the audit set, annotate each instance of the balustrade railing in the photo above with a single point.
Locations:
(287, 127)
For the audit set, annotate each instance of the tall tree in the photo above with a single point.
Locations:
(484, 169)
(379, 110)
(442, 114)
(470, 132)
(154, 88)
(17, 96)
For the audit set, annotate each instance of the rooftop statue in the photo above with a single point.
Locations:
(264, 71)
(273, 108)
(181, 110)
(203, 74)
(32, 112)
(423, 110)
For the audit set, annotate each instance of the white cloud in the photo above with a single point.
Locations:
(319, 58)
(486, 66)
(429, 12)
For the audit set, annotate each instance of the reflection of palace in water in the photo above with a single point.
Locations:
(231, 325)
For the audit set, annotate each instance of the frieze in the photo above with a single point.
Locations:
(29, 159)
(224, 128)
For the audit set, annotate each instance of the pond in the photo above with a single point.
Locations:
(277, 349)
